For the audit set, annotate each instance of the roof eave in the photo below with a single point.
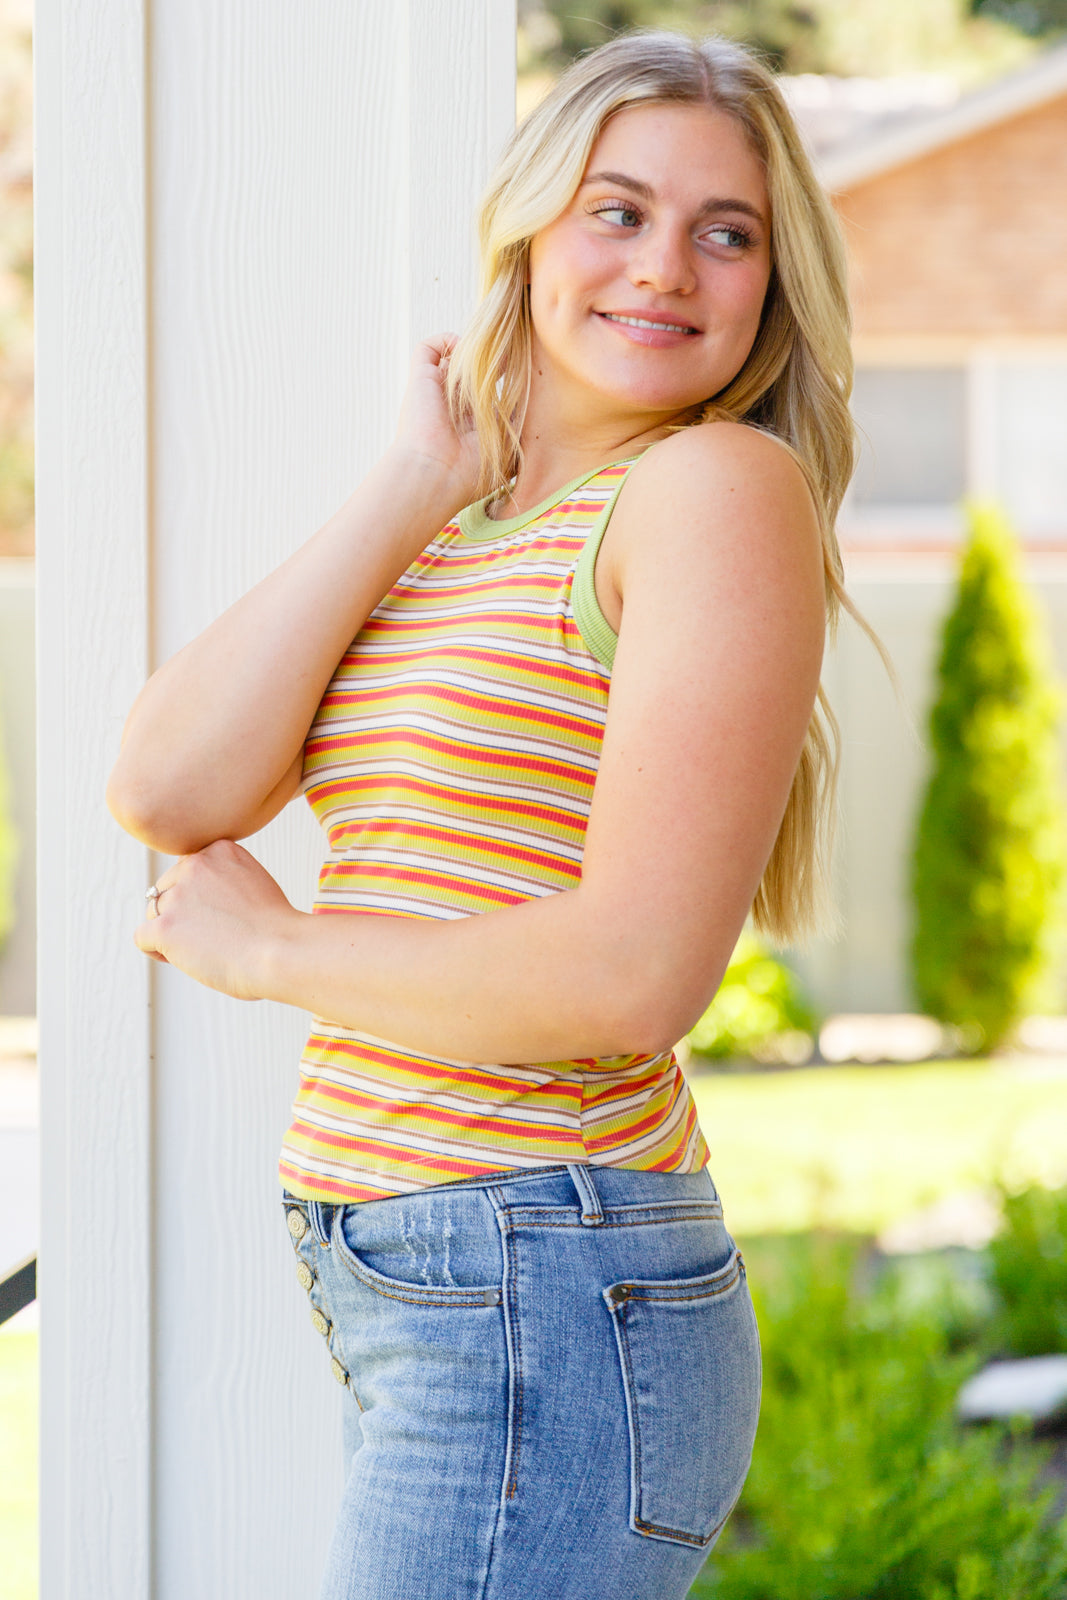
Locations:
(1035, 85)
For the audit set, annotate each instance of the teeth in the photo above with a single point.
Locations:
(643, 322)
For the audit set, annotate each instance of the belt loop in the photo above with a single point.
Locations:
(592, 1210)
(320, 1216)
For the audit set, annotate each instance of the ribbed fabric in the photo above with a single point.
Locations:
(452, 763)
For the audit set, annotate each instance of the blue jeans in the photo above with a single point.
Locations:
(551, 1383)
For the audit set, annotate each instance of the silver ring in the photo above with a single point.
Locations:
(152, 895)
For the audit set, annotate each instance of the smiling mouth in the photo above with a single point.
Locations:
(646, 322)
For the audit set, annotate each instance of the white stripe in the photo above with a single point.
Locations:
(526, 648)
(343, 1122)
(529, 1079)
(464, 873)
(425, 910)
(490, 788)
(427, 680)
(314, 1166)
(490, 572)
(476, 740)
(428, 616)
(659, 1138)
(465, 1149)
(367, 819)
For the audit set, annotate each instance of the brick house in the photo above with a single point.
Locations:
(956, 223)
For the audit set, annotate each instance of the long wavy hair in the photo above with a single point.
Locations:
(795, 383)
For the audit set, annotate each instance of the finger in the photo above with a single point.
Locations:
(168, 879)
(146, 938)
(437, 349)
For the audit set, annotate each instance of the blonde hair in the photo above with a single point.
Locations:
(795, 383)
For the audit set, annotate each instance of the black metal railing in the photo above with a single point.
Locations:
(19, 1288)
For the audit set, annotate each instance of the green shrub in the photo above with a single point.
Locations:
(1028, 1274)
(759, 1004)
(862, 1486)
(989, 856)
(8, 850)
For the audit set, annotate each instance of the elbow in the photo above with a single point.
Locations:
(144, 813)
(657, 1029)
(653, 1011)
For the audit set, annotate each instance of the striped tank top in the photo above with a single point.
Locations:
(451, 764)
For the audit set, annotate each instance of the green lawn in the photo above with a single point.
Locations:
(18, 1465)
(860, 1147)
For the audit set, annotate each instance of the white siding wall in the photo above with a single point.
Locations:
(246, 215)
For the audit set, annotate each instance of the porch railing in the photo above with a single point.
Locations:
(19, 1288)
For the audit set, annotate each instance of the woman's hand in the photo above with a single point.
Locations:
(425, 428)
(214, 916)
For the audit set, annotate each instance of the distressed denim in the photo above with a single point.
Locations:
(551, 1384)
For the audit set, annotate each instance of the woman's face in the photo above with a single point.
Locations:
(646, 293)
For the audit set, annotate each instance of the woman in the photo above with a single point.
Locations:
(494, 1178)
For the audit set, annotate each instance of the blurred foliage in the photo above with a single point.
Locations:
(759, 1011)
(1028, 1262)
(863, 1486)
(846, 37)
(1039, 18)
(989, 859)
(16, 283)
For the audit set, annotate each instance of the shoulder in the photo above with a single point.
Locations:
(708, 494)
(723, 456)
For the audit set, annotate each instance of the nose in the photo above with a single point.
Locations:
(662, 260)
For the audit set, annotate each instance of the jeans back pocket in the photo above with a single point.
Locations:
(690, 1359)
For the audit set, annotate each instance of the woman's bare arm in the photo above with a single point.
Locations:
(718, 557)
(212, 746)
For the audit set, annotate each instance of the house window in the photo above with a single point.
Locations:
(913, 436)
(992, 427)
(1030, 430)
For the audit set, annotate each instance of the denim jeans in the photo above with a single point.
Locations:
(551, 1383)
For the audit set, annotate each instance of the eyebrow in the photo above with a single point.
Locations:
(646, 192)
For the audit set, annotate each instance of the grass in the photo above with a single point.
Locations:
(859, 1148)
(18, 1464)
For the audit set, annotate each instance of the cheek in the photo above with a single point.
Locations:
(747, 304)
(565, 268)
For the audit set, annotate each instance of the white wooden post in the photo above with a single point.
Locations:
(92, 476)
(247, 212)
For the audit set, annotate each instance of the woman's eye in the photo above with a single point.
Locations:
(733, 238)
(622, 216)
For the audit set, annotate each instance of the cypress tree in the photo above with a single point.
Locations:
(989, 857)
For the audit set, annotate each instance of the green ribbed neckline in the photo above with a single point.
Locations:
(599, 636)
(474, 524)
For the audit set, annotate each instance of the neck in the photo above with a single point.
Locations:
(553, 453)
(568, 432)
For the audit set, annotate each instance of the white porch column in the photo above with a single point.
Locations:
(247, 212)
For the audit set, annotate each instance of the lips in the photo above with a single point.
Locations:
(657, 322)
